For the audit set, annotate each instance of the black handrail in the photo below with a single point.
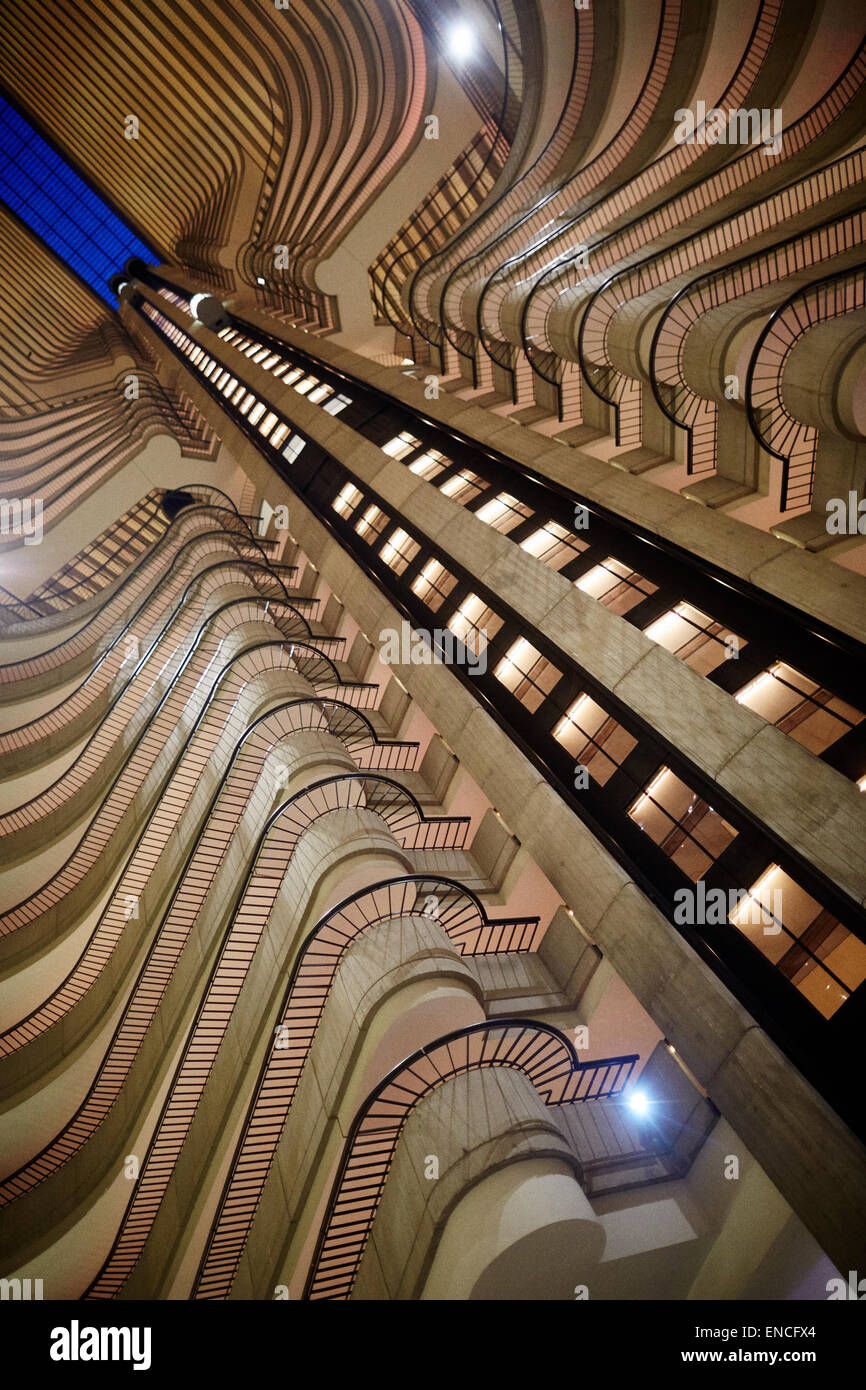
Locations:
(16, 1176)
(179, 558)
(586, 373)
(127, 578)
(557, 1075)
(223, 1250)
(325, 705)
(185, 487)
(769, 327)
(722, 272)
(253, 599)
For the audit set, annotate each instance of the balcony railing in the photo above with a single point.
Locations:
(460, 915)
(537, 1050)
(769, 420)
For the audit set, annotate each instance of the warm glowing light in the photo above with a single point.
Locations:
(759, 893)
(653, 787)
(492, 511)
(536, 543)
(664, 628)
(743, 695)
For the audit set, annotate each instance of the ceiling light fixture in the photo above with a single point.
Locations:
(461, 42)
(638, 1103)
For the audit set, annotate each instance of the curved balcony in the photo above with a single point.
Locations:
(382, 796)
(551, 212)
(107, 558)
(59, 450)
(678, 401)
(185, 689)
(108, 614)
(537, 1050)
(405, 820)
(119, 730)
(507, 310)
(564, 145)
(119, 666)
(160, 856)
(469, 927)
(203, 861)
(554, 315)
(770, 420)
(321, 172)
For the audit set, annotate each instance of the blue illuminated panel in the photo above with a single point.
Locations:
(40, 187)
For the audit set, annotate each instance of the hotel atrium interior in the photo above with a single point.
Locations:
(432, 597)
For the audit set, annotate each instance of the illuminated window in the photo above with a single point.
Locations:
(595, 739)
(429, 464)
(463, 486)
(689, 831)
(692, 636)
(302, 387)
(400, 445)
(279, 435)
(554, 545)
(336, 404)
(526, 673)
(799, 707)
(503, 513)
(372, 523)
(247, 403)
(433, 584)
(267, 424)
(399, 549)
(347, 499)
(257, 412)
(806, 943)
(615, 585)
(474, 623)
(293, 448)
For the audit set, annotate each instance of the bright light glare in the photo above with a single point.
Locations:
(638, 1103)
(461, 41)
(195, 302)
